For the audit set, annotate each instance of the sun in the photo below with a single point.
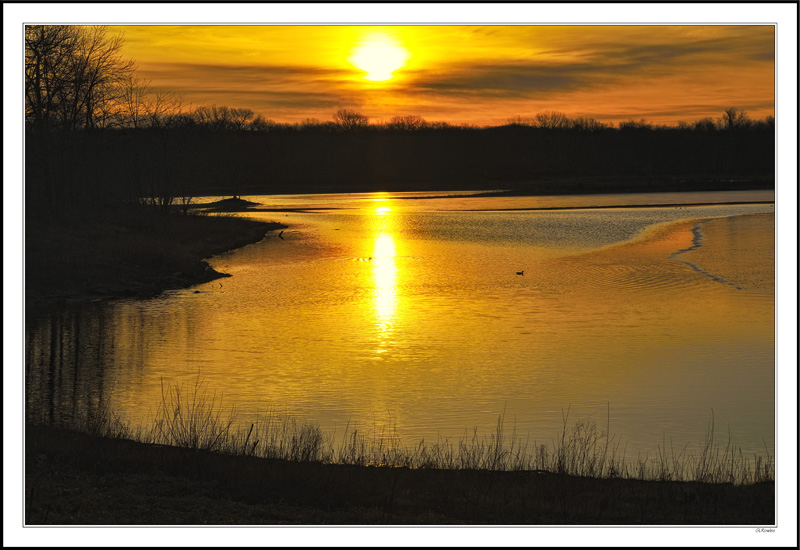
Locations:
(379, 55)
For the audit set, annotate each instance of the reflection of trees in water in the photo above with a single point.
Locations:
(80, 359)
(67, 356)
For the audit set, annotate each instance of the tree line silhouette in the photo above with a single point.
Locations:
(96, 134)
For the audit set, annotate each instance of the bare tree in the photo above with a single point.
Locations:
(223, 118)
(551, 120)
(48, 53)
(407, 123)
(518, 120)
(241, 118)
(212, 116)
(704, 125)
(261, 124)
(587, 124)
(161, 107)
(98, 72)
(734, 118)
(640, 124)
(133, 99)
(350, 120)
(75, 76)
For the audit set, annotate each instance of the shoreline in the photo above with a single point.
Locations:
(73, 478)
(127, 253)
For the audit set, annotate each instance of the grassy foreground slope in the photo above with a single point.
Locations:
(76, 479)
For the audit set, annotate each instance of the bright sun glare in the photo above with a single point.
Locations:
(379, 55)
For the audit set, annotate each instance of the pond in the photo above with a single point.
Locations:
(432, 314)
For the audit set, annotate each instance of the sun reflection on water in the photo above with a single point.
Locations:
(384, 275)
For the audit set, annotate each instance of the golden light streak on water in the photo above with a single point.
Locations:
(384, 275)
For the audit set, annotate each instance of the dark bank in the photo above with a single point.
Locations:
(75, 479)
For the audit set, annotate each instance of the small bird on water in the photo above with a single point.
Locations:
(280, 235)
(521, 272)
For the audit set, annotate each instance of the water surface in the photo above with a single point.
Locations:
(406, 310)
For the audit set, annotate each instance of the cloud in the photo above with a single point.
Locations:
(734, 49)
(567, 69)
(262, 100)
(265, 89)
(516, 79)
(239, 75)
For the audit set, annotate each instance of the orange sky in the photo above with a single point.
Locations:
(482, 75)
